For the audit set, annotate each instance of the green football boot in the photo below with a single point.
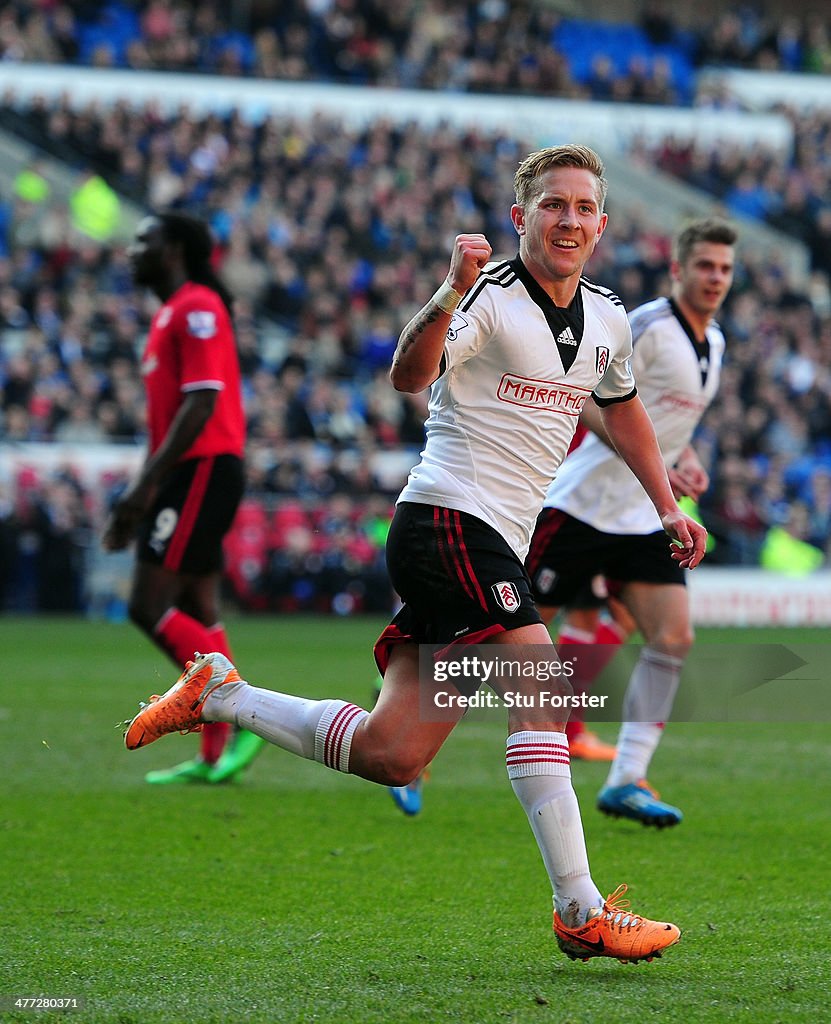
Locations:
(242, 748)
(196, 770)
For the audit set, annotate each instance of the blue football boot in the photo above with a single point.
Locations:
(408, 798)
(638, 801)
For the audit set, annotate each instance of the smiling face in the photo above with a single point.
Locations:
(702, 281)
(559, 227)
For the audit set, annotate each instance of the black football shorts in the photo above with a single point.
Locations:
(459, 580)
(194, 510)
(566, 552)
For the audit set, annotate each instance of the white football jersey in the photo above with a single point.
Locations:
(516, 371)
(677, 379)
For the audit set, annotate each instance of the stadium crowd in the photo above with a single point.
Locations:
(474, 45)
(328, 236)
(789, 191)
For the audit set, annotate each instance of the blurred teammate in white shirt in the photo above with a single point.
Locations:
(598, 519)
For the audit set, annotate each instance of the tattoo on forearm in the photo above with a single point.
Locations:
(409, 336)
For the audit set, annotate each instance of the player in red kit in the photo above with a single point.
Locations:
(183, 500)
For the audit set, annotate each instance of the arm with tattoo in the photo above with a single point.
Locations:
(417, 358)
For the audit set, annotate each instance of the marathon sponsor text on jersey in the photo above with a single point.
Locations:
(504, 408)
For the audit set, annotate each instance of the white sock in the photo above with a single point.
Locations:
(636, 743)
(646, 706)
(652, 687)
(572, 635)
(538, 767)
(315, 729)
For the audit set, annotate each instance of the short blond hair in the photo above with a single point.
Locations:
(527, 178)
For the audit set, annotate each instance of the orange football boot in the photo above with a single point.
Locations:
(614, 931)
(179, 709)
(588, 746)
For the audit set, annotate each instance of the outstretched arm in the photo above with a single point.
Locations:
(630, 430)
(417, 358)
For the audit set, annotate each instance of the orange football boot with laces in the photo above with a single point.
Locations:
(614, 931)
(180, 709)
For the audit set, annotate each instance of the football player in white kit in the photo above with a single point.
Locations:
(598, 519)
(512, 350)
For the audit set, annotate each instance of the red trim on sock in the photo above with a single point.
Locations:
(511, 762)
(570, 636)
(333, 743)
(536, 753)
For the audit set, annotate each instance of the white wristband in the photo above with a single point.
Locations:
(447, 298)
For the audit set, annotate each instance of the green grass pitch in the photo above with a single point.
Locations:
(301, 895)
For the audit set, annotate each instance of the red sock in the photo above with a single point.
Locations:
(219, 640)
(181, 636)
(213, 738)
(575, 726)
(570, 636)
(598, 649)
(608, 633)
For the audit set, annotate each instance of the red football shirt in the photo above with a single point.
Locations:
(191, 347)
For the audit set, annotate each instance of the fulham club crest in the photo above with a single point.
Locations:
(507, 596)
(601, 354)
